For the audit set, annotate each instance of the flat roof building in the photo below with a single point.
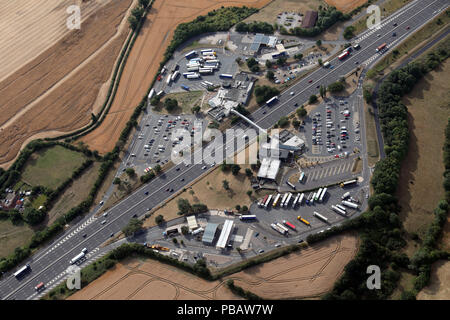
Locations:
(225, 234)
(261, 39)
(192, 222)
(269, 168)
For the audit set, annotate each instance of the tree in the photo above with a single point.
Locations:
(336, 87)
(312, 99)
(235, 169)
(184, 230)
(348, 32)
(238, 208)
(157, 169)
(296, 123)
(301, 112)
(184, 206)
(144, 3)
(249, 193)
(133, 22)
(248, 172)
(269, 64)
(320, 62)
(323, 91)
(319, 43)
(170, 104)
(159, 220)
(195, 109)
(33, 216)
(137, 12)
(174, 240)
(244, 209)
(133, 226)
(155, 100)
(130, 172)
(299, 56)
(283, 122)
(281, 61)
(117, 181)
(270, 75)
(226, 185)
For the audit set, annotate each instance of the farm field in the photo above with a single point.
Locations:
(12, 236)
(144, 59)
(51, 166)
(57, 90)
(307, 273)
(421, 179)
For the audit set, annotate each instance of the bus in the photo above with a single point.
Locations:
(206, 50)
(277, 198)
(248, 217)
(302, 176)
(227, 76)
(344, 55)
(22, 271)
(190, 54)
(272, 100)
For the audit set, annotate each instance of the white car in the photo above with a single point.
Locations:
(292, 93)
(204, 167)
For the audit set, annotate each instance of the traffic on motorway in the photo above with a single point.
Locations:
(51, 262)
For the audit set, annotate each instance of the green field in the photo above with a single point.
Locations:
(186, 100)
(52, 166)
(12, 236)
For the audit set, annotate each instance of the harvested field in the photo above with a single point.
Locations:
(151, 280)
(28, 29)
(439, 286)
(308, 273)
(421, 179)
(346, 6)
(57, 91)
(144, 59)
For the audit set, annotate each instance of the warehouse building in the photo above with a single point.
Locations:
(225, 234)
(210, 233)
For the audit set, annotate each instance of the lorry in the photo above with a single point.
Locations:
(169, 79)
(277, 198)
(226, 76)
(170, 232)
(175, 75)
(190, 54)
(193, 76)
(344, 55)
(290, 225)
(77, 258)
(284, 199)
(286, 230)
(156, 247)
(272, 100)
(205, 70)
(381, 47)
(267, 203)
(322, 196)
(303, 220)
(326, 64)
(321, 217)
(290, 185)
(300, 201)
(193, 68)
(338, 210)
(287, 200)
(278, 229)
(263, 201)
(294, 203)
(151, 93)
(247, 217)
(197, 231)
(347, 183)
(302, 176)
(350, 204)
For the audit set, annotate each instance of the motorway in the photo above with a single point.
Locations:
(51, 262)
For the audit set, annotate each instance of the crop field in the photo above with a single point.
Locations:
(307, 273)
(51, 166)
(144, 60)
(57, 90)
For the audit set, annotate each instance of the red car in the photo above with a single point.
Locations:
(159, 78)
(407, 28)
(310, 81)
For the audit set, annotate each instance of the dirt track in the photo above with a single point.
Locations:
(306, 274)
(143, 62)
(56, 91)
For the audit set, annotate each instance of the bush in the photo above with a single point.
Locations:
(335, 87)
(133, 226)
(312, 99)
(170, 104)
(264, 93)
(159, 219)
